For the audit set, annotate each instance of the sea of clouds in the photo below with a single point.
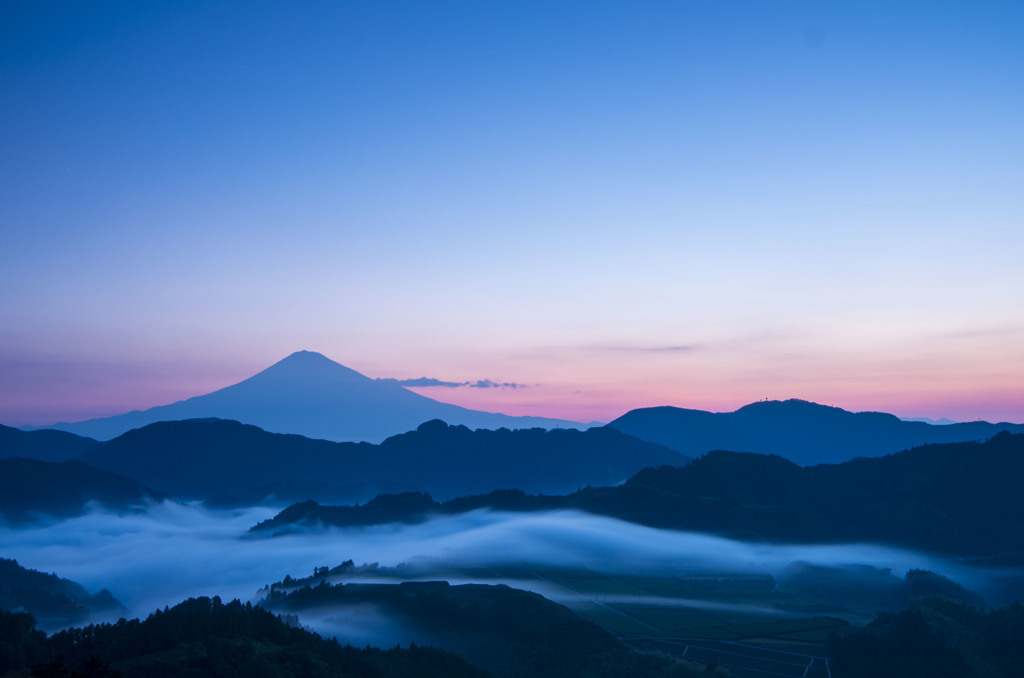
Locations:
(171, 551)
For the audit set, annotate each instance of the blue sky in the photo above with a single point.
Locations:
(616, 204)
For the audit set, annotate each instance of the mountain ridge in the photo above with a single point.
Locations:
(42, 445)
(804, 432)
(217, 458)
(31, 490)
(957, 498)
(53, 601)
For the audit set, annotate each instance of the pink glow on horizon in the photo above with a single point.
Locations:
(564, 384)
(70, 392)
(42, 409)
(602, 407)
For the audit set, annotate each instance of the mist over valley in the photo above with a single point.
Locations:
(173, 551)
(631, 580)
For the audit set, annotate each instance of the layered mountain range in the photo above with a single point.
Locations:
(205, 458)
(310, 395)
(232, 464)
(958, 498)
(249, 461)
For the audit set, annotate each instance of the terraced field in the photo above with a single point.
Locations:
(754, 624)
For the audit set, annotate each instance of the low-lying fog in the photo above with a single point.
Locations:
(172, 551)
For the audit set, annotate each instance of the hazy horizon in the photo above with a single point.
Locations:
(442, 392)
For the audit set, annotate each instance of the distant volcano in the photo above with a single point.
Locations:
(311, 395)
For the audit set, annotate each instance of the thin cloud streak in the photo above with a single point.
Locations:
(430, 382)
(649, 349)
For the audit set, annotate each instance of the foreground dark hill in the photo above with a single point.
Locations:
(803, 432)
(311, 395)
(934, 638)
(45, 445)
(512, 633)
(216, 458)
(205, 638)
(31, 490)
(961, 498)
(55, 603)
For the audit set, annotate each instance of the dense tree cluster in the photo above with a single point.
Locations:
(204, 637)
(510, 632)
(936, 637)
(53, 601)
(524, 634)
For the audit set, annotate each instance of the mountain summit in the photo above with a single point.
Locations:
(311, 395)
(308, 365)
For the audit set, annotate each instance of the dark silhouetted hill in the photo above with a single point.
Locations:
(201, 458)
(54, 602)
(936, 637)
(310, 395)
(803, 432)
(510, 632)
(218, 458)
(961, 498)
(957, 497)
(533, 460)
(204, 638)
(44, 445)
(406, 507)
(31, 490)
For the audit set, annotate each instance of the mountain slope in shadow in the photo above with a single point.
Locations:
(206, 638)
(510, 632)
(803, 432)
(960, 498)
(44, 445)
(33, 490)
(201, 459)
(54, 602)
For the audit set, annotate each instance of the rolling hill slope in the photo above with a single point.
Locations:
(45, 445)
(206, 458)
(960, 498)
(803, 432)
(31, 489)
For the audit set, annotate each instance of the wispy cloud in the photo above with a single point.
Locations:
(648, 349)
(421, 382)
(487, 383)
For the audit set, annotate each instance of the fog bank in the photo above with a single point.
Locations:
(172, 551)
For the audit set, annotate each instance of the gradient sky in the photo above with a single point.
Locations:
(615, 205)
